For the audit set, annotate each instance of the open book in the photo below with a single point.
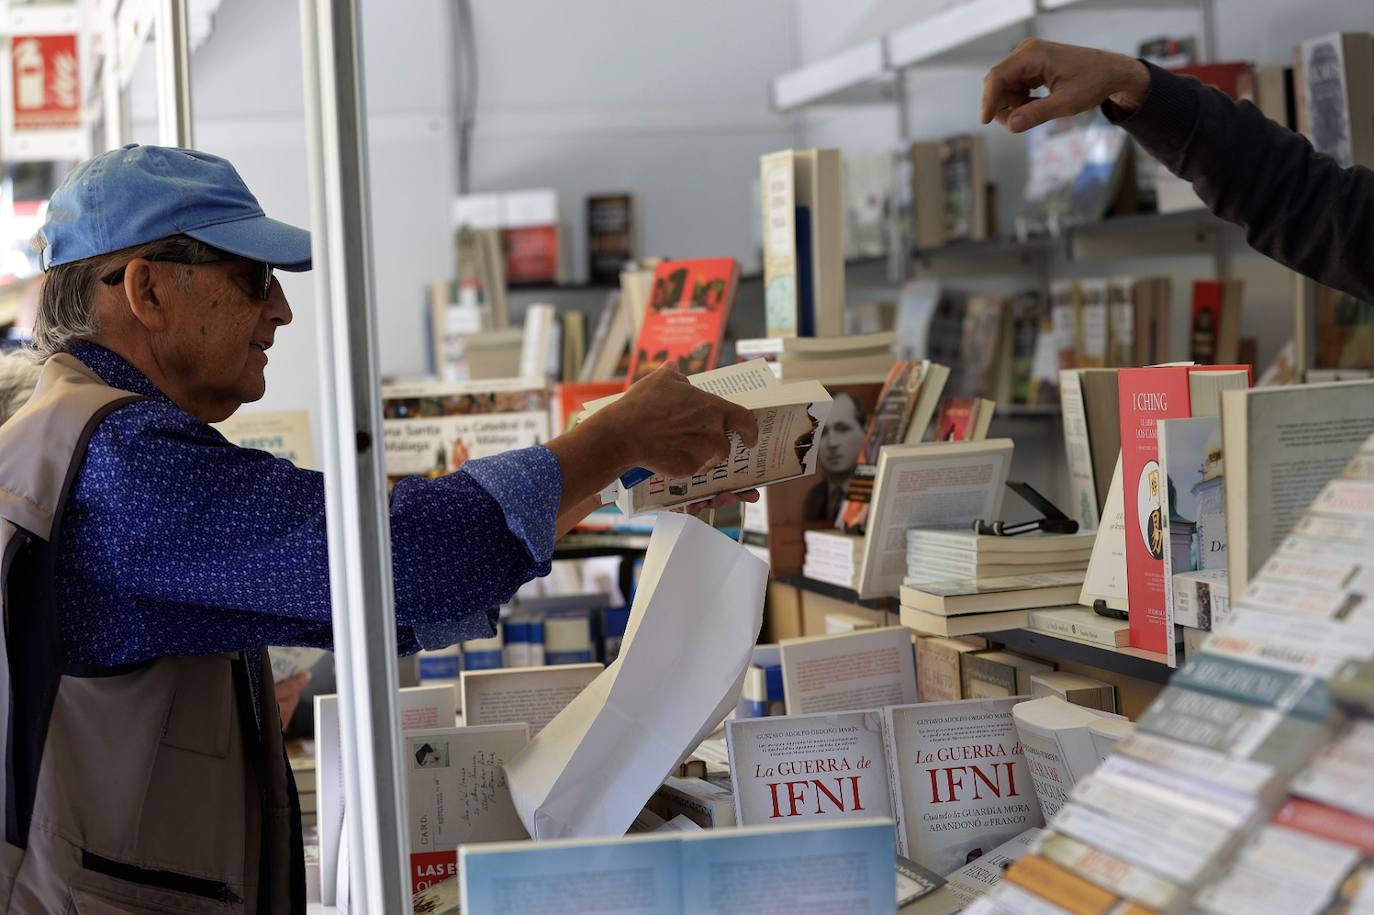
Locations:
(790, 418)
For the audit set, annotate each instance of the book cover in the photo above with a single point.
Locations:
(610, 237)
(529, 695)
(1190, 460)
(1000, 674)
(1028, 313)
(959, 780)
(977, 878)
(1147, 396)
(957, 419)
(1065, 313)
(430, 430)
(1078, 450)
(1094, 322)
(684, 322)
(284, 434)
(887, 425)
(1336, 100)
(853, 670)
(1082, 623)
(823, 767)
(1058, 747)
(531, 255)
(939, 666)
(778, 180)
(1215, 334)
(456, 793)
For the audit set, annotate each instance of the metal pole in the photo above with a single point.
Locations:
(173, 75)
(112, 93)
(356, 504)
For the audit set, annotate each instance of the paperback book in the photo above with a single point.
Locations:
(855, 670)
(808, 767)
(684, 321)
(960, 785)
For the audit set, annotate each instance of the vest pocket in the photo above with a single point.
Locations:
(210, 890)
(201, 714)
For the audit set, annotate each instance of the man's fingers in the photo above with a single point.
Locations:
(1012, 81)
(741, 420)
(1037, 111)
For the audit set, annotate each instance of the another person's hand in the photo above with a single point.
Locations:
(1077, 79)
(289, 696)
(671, 428)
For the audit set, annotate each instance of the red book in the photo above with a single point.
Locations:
(531, 254)
(956, 420)
(571, 396)
(1146, 396)
(1330, 823)
(684, 321)
(1215, 335)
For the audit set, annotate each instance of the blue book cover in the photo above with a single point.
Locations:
(806, 293)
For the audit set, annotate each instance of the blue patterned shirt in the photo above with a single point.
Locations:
(175, 542)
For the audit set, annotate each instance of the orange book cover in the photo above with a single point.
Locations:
(955, 421)
(571, 396)
(1067, 890)
(684, 321)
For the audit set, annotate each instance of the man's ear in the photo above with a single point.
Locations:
(141, 288)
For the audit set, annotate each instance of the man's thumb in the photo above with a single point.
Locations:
(1045, 108)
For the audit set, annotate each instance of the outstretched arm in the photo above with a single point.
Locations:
(1298, 207)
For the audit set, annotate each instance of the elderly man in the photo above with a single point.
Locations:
(148, 562)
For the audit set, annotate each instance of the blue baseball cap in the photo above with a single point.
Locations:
(140, 194)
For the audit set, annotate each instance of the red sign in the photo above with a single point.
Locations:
(47, 82)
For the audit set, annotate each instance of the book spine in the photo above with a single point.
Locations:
(1186, 830)
(892, 759)
(1078, 449)
(1255, 684)
(1140, 847)
(1104, 869)
(1100, 635)
(1208, 766)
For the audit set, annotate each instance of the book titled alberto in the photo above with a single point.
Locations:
(960, 785)
(684, 322)
(790, 416)
(818, 767)
(1147, 396)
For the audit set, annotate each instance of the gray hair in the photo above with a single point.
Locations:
(66, 303)
(18, 375)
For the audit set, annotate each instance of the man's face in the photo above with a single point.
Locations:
(218, 332)
(841, 438)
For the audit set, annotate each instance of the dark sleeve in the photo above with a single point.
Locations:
(1295, 205)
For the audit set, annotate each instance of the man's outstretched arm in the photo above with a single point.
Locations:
(1300, 208)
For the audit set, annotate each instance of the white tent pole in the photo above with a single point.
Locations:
(173, 75)
(359, 530)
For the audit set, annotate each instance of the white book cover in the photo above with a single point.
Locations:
(284, 434)
(930, 485)
(960, 783)
(417, 707)
(853, 670)
(976, 878)
(456, 793)
(798, 767)
(1106, 576)
(1058, 747)
(529, 695)
(790, 417)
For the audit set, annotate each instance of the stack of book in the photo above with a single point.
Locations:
(1245, 786)
(853, 359)
(935, 555)
(967, 606)
(301, 755)
(833, 557)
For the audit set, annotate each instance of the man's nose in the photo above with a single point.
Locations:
(277, 310)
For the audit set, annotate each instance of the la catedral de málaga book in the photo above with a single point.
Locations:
(684, 322)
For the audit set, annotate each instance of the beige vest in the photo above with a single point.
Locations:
(148, 788)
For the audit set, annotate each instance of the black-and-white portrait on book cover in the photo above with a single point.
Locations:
(1327, 118)
(431, 754)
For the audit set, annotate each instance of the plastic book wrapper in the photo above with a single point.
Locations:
(692, 629)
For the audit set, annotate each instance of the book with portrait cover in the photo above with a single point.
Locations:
(960, 784)
(456, 793)
(684, 321)
(822, 767)
(887, 426)
(1147, 396)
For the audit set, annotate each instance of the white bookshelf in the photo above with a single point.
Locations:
(978, 32)
(859, 75)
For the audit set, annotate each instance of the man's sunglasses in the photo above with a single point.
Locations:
(262, 278)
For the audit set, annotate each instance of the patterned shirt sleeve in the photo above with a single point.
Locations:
(205, 546)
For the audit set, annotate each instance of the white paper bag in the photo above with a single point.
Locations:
(691, 635)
